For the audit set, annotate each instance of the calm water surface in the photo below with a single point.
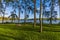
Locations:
(37, 21)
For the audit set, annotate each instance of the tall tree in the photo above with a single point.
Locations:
(34, 13)
(13, 17)
(52, 11)
(43, 9)
(19, 9)
(15, 5)
(25, 12)
(40, 16)
(2, 9)
(59, 7)
(26, 7)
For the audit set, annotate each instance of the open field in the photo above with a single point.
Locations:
(27, 32)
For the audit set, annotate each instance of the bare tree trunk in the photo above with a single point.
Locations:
(12, 20)
(19, 16)
(51, 13)
(40, 15)
(25, 17)
(43, 11)
(3, 18)
(34, 13)
(59, 12)
(52, 10)
(3, 14)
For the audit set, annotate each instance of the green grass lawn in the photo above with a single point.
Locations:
(27, 32)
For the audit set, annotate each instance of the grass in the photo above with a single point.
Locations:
(27, 32)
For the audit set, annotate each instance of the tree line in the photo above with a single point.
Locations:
(27, 6)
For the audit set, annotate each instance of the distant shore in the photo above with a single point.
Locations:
(6, 18)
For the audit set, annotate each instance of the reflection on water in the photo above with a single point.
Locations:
(37, 21)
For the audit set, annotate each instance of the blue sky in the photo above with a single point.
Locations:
(9, 9)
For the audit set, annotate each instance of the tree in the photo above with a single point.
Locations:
(15, 5)
(46, 12)
(13, 17)
(34, 1)
(2, 9)
(43, 9)
(26, 7)
(52, 10)
(19, 9)
(34, 13)
(40, 16)
(59, 6)
(25, 11)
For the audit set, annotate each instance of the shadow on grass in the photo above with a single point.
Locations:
(25, 28)
(8, 37)
(32, 36)
(29, 27)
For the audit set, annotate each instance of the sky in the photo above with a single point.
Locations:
(9, 9)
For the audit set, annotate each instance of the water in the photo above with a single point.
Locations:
(37, 21)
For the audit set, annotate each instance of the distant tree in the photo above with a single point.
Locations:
(51, 13)
(19, 8)
(2, 9)
(13, 16)
(15, 5)
(44, 8)
(26, 7)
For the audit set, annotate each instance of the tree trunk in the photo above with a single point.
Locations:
(3, 18)
(43, 11)
(52, 10)
(3, 14)
(34, 13)
(51, 13)
(40, 15)
(25, 17)
(19, 16)
(12, 19)
(59, 12)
